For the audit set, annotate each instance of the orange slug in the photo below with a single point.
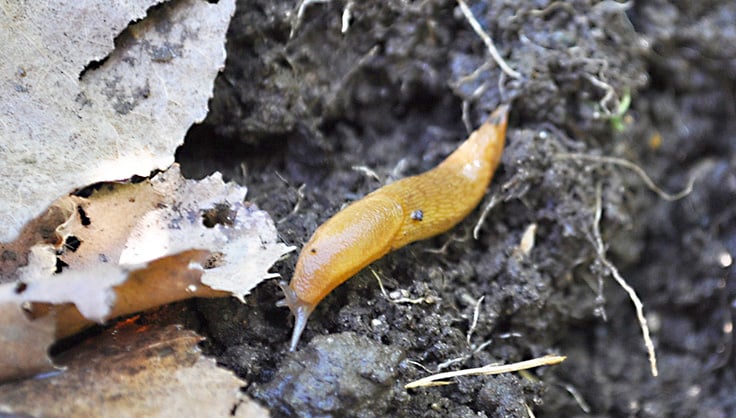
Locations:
(402, 212)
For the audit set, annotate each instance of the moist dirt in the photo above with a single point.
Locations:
(321, 104)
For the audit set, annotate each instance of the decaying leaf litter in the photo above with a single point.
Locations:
(391, 91)
(159, 369)
(394, 93)
(141, 245)
(116, 247)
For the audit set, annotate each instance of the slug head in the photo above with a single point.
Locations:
(299, 308)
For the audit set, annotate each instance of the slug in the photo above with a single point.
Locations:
(393, 216)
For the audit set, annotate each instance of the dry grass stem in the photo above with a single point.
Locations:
(439, 378)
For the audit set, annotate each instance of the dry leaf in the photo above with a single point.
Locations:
(132, 224)
(133, 371)
(138, 246)
(24, 343)
(62, 127)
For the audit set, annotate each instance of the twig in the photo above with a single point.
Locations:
(601, 252)
(636, 169)
(437, 379)
(487, 40)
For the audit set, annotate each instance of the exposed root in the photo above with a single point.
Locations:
(446, 245)
(600, 249)
(491, 203)
(297, 205)
(476, 314)
(488, 41)
(541, 13)
(399, 297)
(463, 358)
(472, 76)
(346, 16)
(297, 21)
(610, 94)
(636, 169)
(578, 397)
(367, 171)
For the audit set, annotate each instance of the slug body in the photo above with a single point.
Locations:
(402, 212)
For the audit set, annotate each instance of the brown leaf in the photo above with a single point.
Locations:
(24, 343)
(133, 371)
(138, 246)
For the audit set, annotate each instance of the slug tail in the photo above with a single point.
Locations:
(299, 308)
(500, 115)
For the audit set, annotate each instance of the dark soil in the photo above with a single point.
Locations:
(300, 104)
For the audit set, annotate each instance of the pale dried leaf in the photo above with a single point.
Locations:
(61, 129)
(140, 246)
(133, 371)
(133, 224)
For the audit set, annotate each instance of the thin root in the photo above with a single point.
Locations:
(426, 299)
(578, 397)
(346, 16)
(610, 93)
(447, 363)
(300, 14)
(600, 249)
(446, 245)
(295, 209)
(547, 10)
(482, 218)
(367, 171)
(476, 315)
(636, 169)
(488, 41)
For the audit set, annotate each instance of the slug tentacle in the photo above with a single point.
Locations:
(395, 215)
